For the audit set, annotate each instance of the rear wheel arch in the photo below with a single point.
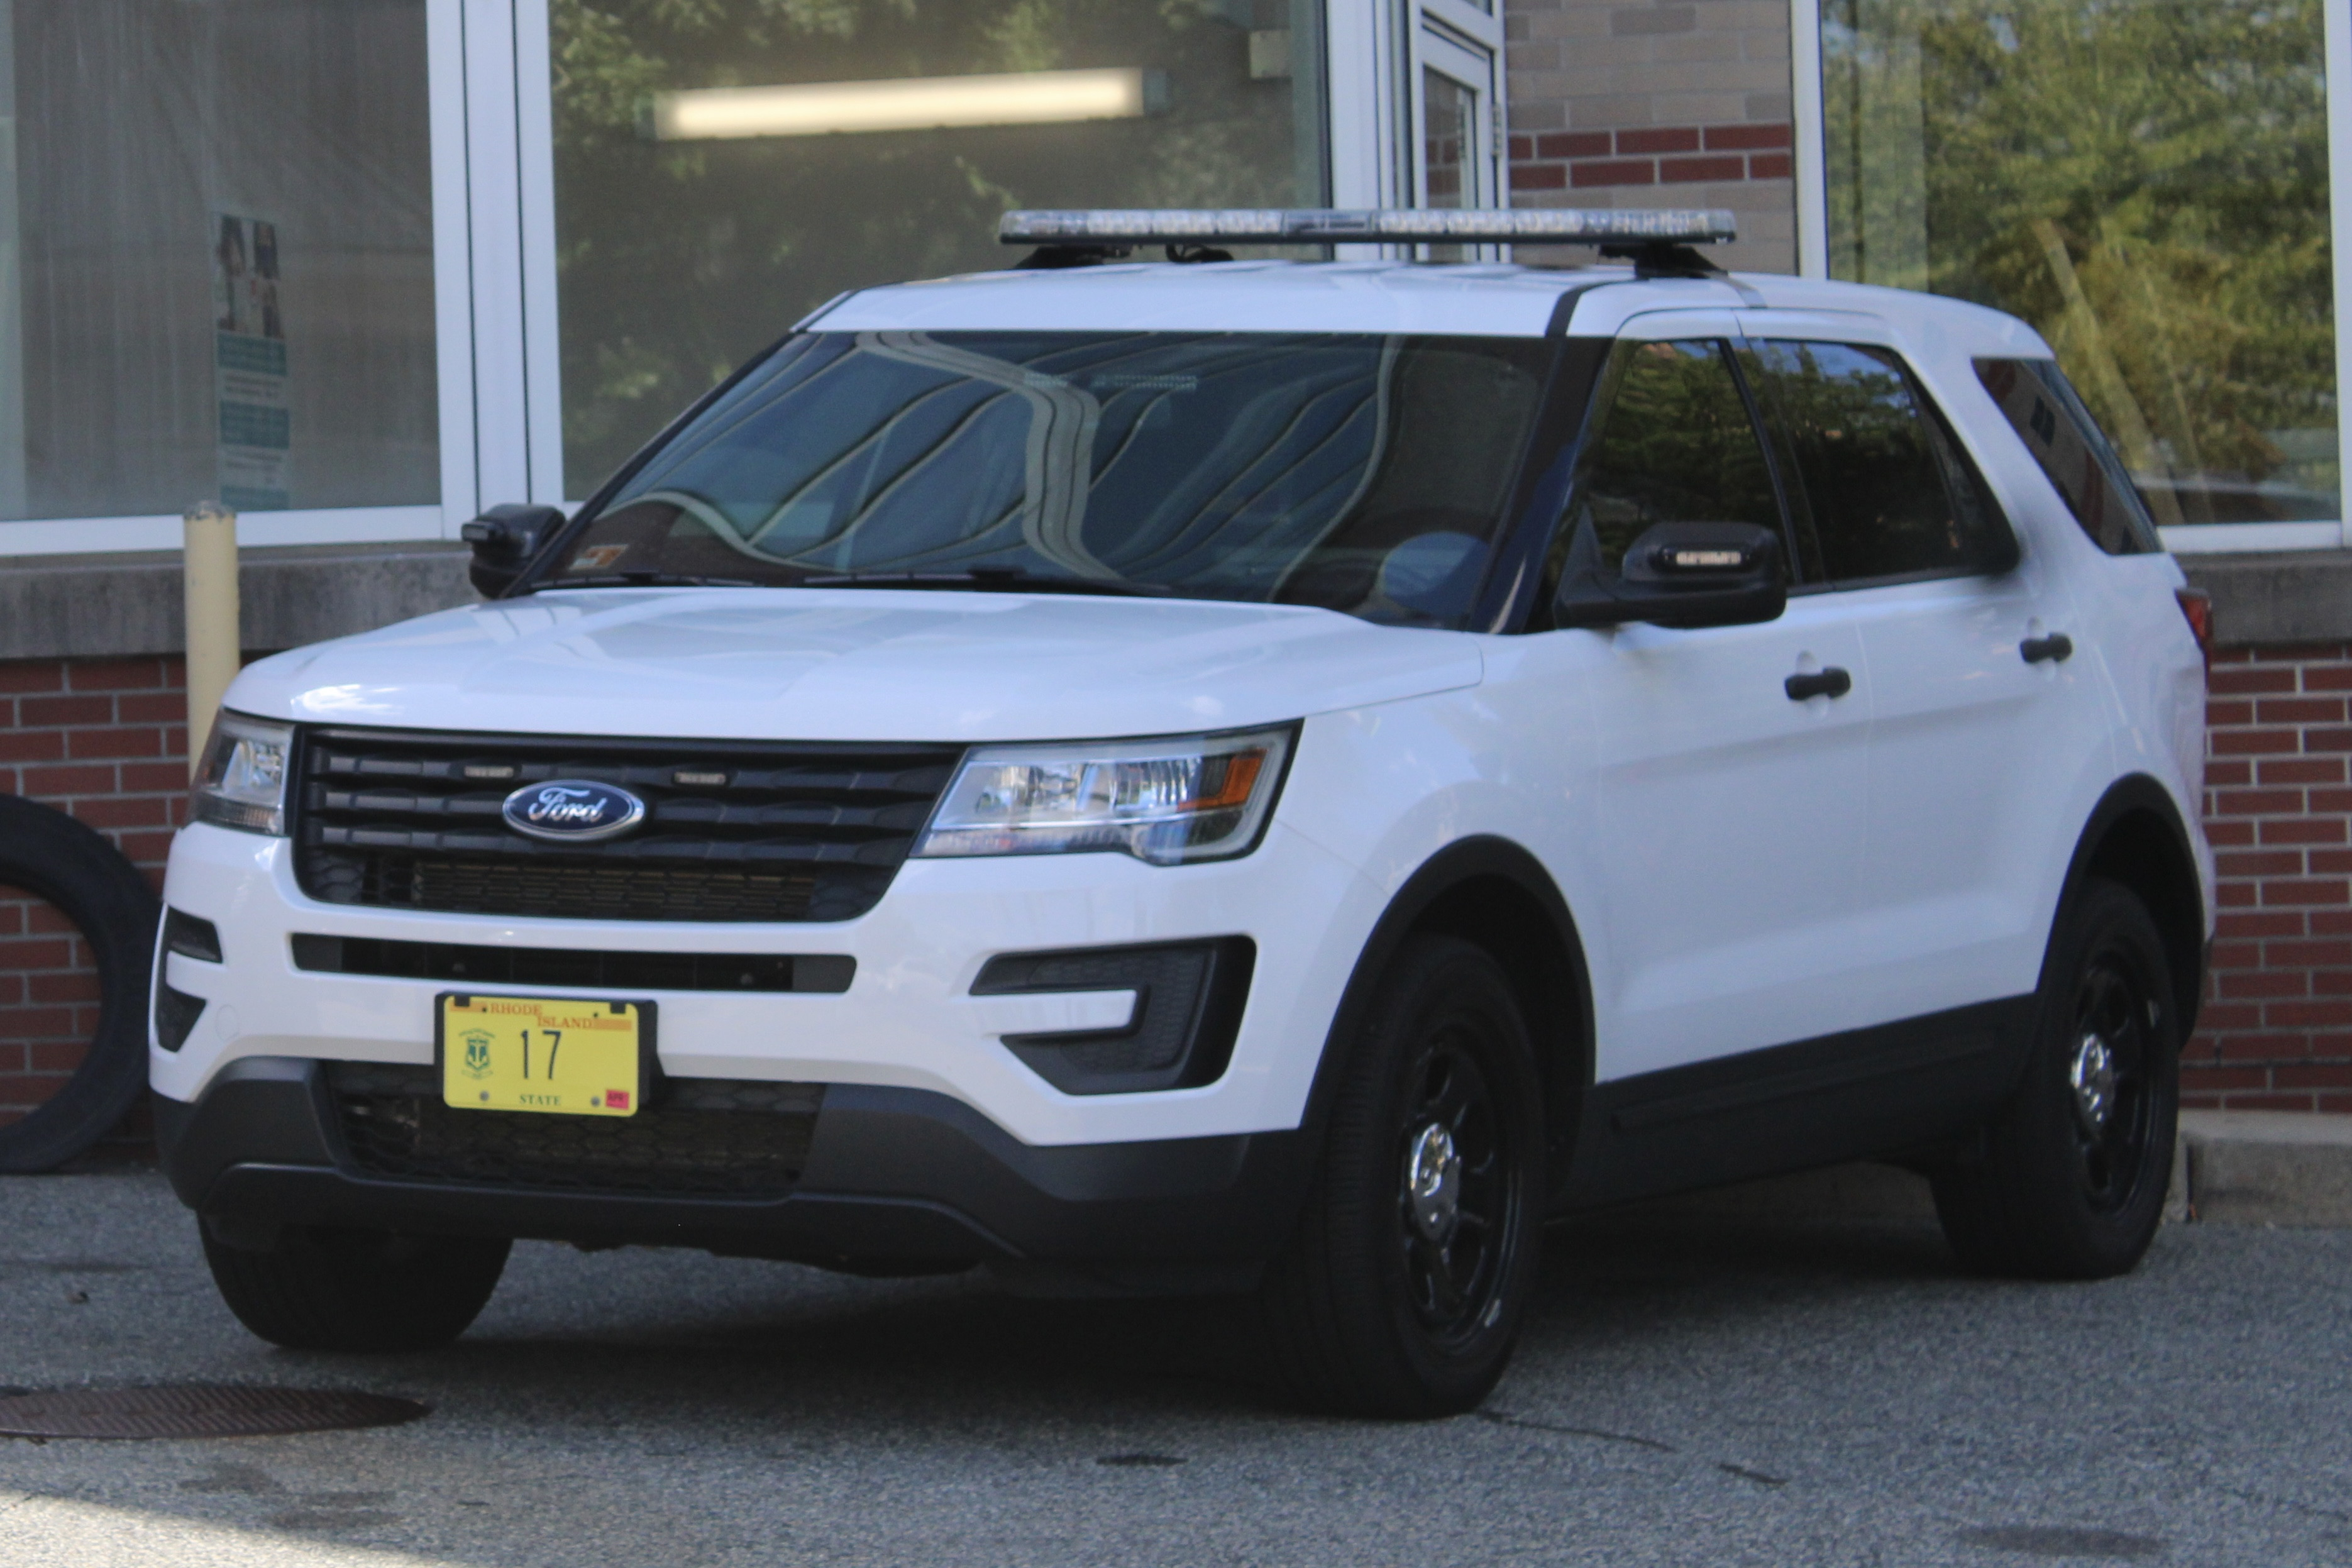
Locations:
(2135, 837)
(1493, 893)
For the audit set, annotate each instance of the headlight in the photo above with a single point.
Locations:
(1189, 797)
(242, 783)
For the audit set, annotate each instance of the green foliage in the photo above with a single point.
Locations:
(2144, 180)
(678, 260)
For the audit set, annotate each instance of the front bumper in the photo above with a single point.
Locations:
(896, 1180)
(909, 1018)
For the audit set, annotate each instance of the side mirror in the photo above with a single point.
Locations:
(505, 538)
(1681, 574)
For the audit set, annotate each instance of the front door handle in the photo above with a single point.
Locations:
(2057, 648)
(1830, 682)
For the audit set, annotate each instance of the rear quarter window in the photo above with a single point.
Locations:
(2040, 404)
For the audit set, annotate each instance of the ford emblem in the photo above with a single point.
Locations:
(573, 811)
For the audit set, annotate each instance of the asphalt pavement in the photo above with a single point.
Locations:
(1699, 1387)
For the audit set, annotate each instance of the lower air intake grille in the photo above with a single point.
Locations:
(704, 1137)
(739, 831)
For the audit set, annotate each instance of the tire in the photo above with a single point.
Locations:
(2071, 1181)
(87, 880)
(1401, 1292)
(364, 1290)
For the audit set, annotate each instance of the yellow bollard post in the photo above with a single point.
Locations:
(209, 560)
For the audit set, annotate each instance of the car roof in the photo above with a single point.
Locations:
(1497, 300)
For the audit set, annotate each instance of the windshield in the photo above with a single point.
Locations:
(1361, 473)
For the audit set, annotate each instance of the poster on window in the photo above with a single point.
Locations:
(255, 436)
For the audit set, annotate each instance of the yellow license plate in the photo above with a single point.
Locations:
(551, 1053)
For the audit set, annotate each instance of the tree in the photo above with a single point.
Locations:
(2145, 181)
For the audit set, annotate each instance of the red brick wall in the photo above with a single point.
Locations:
(1642, 104)
(1649, 155)
(2276, 1032)
(107, 741)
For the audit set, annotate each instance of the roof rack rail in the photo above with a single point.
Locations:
(1105, 228)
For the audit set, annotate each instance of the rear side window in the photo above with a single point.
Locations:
(1882, 483)
(1676, 443)
(2042, 407)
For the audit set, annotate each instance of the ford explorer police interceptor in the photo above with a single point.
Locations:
(1214, 775)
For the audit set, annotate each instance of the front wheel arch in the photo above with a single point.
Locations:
(1494, 894)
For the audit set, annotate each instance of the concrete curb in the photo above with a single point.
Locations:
(2275, 1168)
(2268, 1167)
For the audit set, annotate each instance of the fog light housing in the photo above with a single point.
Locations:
(1189, 998)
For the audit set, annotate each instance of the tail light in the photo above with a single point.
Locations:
(2199, 607)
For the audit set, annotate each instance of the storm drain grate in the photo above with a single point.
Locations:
(197, 1410)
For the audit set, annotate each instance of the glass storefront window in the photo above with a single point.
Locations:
(215, 257)
(724, 167)
(2145, 181)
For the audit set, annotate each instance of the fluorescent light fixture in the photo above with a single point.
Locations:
(909, 103)
(1393, 225)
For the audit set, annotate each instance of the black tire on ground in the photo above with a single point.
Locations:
(1401, 1292)
(2069, 1182)
(324, 1290)
(49, 855)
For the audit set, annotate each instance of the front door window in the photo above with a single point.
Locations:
(1677, 445)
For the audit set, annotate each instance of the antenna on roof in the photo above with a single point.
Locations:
(1658, 242)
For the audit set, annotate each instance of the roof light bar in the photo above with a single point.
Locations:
(1375, 226)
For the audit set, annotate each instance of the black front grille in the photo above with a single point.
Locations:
(708, 1137)
(734, 830)
(468, 964)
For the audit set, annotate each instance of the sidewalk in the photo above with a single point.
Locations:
(2233, 1167)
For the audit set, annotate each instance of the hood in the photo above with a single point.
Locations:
(854, 664)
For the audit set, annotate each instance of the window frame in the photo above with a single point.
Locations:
(1810, 170)
(491, 115)
(468, 58)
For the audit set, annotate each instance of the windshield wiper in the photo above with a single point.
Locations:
(991, 579)
(649, 580)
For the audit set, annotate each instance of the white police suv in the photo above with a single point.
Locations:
(1226, 775)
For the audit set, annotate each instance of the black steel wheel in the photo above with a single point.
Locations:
(1401, 1292)
(1454, 1196)
(2109, 1077)
(2070, 1178)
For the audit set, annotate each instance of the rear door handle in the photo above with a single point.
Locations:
(2057, 648)
(1830, 682)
